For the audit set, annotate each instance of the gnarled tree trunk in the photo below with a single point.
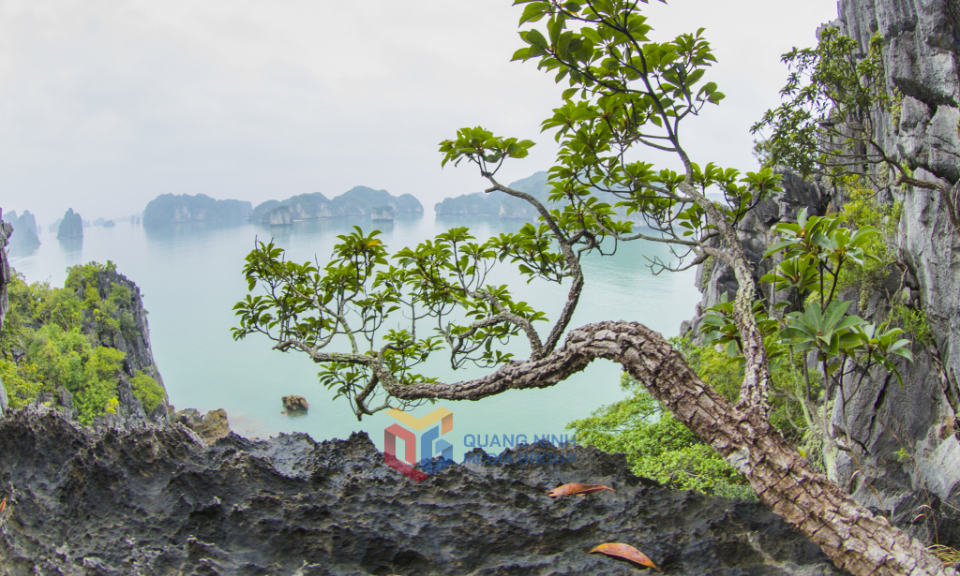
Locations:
(848, 533)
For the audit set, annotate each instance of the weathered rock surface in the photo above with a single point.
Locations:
(295, 403)
(156, 500)
(5, 231)
(913, 457)
(911, 461)
(211, 426)
(382, 214)
(71, 226)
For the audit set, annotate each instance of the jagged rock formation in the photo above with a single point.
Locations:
(912, 456)
(25, 231)
(211, 426)
(922, 61)
(71, 226)
(157, 500)
(133, 338)
(169, 209)
(5, 231)
(358, 202)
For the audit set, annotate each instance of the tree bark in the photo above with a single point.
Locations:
(853, 538)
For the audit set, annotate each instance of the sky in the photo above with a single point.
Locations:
(106, 104)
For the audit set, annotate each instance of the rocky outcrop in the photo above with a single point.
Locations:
(211, 426)
(280, 216)
(133, 338)
(358, 202)
(910, 466)
(496, 203)
(910, 432)
(71, 226)
(168, 209)
(5, 231)
(295, 403)
(159, 501)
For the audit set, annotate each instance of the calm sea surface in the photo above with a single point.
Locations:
(190, 276)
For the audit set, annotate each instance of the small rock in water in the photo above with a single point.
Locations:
(295, 403)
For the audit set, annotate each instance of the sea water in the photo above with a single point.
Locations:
(190, 276)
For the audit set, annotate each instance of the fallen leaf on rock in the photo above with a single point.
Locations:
(625, 552)
(3, 505)
(579, 489)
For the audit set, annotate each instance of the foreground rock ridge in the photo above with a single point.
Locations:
(157, 500)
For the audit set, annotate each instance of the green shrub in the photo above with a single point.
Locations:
(658, 446)
(147, 391)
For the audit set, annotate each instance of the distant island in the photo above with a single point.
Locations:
(169, 209)
(71, 226)
(25, 230)
(506, 207)
(359, 201)
(498, 204)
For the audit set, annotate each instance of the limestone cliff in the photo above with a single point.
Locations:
(910, 433)
(912, 456)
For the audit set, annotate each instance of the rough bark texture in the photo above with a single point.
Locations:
(156, 500)
(848, 533)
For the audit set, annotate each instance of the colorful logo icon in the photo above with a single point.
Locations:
(431, 444)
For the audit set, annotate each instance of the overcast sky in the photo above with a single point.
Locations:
(105, 104)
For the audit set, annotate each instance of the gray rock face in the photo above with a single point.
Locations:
(382, 214)
(913, 457)
(5, 231)
(71, 226)
(157, 500)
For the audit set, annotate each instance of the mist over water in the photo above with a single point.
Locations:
(191, 276)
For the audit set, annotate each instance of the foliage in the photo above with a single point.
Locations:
(658, 446)
(832, 97)
(831, 127)
(147, 391)
(53, 337)
(816, 252)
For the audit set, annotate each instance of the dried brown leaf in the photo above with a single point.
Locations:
(625, 552)
(576, 488)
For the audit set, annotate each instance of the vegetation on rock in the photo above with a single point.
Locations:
(63, 337)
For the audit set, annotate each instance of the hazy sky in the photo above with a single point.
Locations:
(105, 104)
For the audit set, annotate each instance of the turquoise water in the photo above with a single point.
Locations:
(190, 277)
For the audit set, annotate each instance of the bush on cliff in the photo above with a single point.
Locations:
(56, 337)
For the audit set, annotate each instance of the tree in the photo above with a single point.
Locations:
(830, 126)
(626, 93)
